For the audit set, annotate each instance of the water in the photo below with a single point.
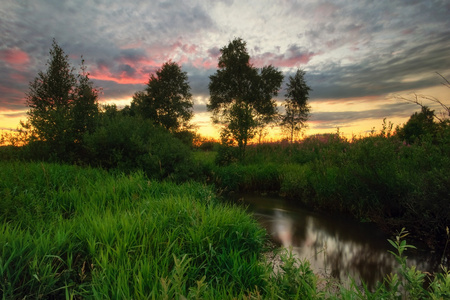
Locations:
(336, 247)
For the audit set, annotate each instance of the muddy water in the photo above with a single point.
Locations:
(336, 247)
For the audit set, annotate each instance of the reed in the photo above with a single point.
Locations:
(86, 233)
(375, 178)
(81, 233)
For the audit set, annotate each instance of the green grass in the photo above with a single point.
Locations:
(85, 233)
(80, 233)
(377, 177)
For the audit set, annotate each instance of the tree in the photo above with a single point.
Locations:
(419, 98)
(85, 107)
(241, 95)
(296, 105)
(62, 105)
(418, 125)
(167, 100)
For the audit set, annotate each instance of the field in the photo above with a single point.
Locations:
(83, 233)
(76, 233)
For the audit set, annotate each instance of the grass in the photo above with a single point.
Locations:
(75, 232)
(377, 178)
(82, 233)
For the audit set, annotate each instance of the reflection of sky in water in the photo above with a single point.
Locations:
(334, 246)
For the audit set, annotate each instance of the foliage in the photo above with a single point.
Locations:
(63, 107)
(166, 100)
(241, 95)
(205, 144)
(76, 232)
(378, 177)
(418, 125)
(296, 280)
(83, 233)
(418, 99)
(132, 143)
(296, 105)
(407, 283)
(186, 136)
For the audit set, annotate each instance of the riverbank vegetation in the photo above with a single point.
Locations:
(75, 233)
(102, 202)
(379, 177)
(79, 232)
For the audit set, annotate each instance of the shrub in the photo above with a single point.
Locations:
(131, 143)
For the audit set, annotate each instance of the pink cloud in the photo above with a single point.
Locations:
(190, 49)
(134, 66)
(325, 10)
(121, 78)
(202, 63)
(293, 57)
(14, 56)
(125, 69)
(18, 77)
(11, 97)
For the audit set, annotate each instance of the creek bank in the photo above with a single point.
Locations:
(298, 185)
(335, 246)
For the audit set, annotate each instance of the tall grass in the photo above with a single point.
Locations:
(75, 232)
(377, 177)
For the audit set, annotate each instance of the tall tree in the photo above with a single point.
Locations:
(241, 95)
(61, 104)
(167, 100)
(418, 125)
(296, 105)
(85, 108)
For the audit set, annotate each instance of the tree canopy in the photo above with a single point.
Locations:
(166, 100)
(62, 105)
(241, 95)
(419, 124)
(296, 105)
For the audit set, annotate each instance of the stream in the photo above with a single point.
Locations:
(337, 247)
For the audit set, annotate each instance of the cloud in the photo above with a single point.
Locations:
(293, 57)
(395, 108)
(380, 74)
(14, 56)
(349, 49)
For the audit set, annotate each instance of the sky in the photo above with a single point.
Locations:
(359, 56)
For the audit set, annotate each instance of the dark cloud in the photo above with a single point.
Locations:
(200, 108)
(383, 74)
(396, 108)
(293, 57)
(349, 49)
(214, 52)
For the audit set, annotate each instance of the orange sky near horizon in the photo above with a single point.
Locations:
(359, 127)
(357, 54)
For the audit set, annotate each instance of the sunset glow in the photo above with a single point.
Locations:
(359, 56)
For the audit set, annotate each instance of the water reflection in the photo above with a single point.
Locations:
(335, 246)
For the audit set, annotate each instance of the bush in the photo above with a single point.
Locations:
(70, 232)
(131, 143)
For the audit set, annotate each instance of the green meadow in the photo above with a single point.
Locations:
(71, 232)
(107, 203)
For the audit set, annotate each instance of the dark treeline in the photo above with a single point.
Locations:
(66, 123)
(395, 178)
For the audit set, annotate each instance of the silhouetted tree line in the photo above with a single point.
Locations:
(66, 123)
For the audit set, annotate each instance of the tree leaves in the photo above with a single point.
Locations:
(241, 95)
(166, 100)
